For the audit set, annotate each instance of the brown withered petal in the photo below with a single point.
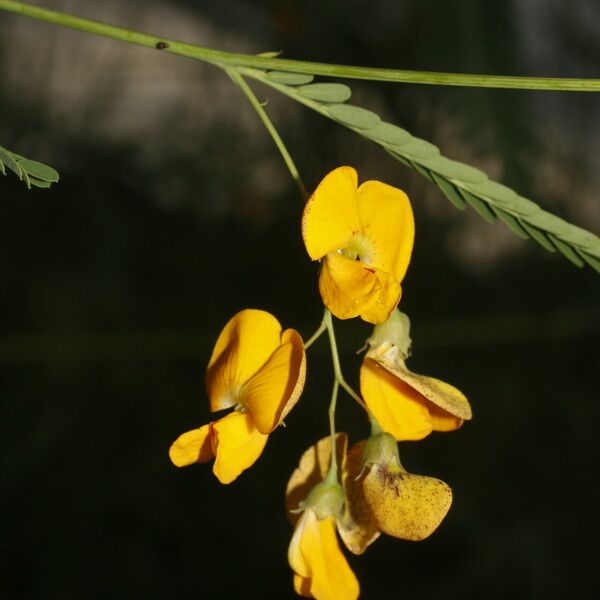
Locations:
(312, 469)
(357, 527)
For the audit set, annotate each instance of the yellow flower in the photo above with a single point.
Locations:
(407, 405)
(320, 569)
(259, 371)
(382, 497)
(365, 237)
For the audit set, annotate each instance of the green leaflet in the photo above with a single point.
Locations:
(31, 172)
(452, 169)
(480, 206)
(590, 260)
(10, 162)
(567, 251)
(273, 54)
(326, 92)
(288, 78)
(353, 116)
(539, 236)
(38, 170)
(511, 222)
(419, 149)
(496, 193)
(389, 135)
(450, 192)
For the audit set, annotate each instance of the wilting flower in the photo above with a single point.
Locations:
(382, 497)
(364, 236)
(320, 569)
(259, 371)
(407, 405)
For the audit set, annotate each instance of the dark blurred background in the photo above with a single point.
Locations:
(174, 211)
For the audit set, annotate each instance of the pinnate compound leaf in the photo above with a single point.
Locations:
(31, 172)
(326, 92)
(460, 183)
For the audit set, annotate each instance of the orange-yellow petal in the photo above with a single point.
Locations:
(348, 287)
(439, 393)
(399, 409)
(302, 586)
(387, 223)
(192, 447)
(315, 555)
(330, 217)
(272, 391)
(388, 297)
(242, 348)
(406, 506)
(238, 444)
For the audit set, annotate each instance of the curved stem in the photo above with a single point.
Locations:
(223, 59)
(262, 113)
(316, 335)
(339, 377)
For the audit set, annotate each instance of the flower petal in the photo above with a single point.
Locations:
(400, 409)
(387, 221)
(312, 469)
(238, 444)
(387, 299)
(192, 447)
(318, 554)
(274, 389)
(406, 506)
(440, 393)
(358, 527)
(348, 287)
(302, 586)
(330, 217)
(244, 345)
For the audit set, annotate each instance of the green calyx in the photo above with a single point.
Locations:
(326, 499)
(380, 448)
(393, 332)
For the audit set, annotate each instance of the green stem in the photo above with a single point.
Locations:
(264, 117)
(331, 412)
(224, 59)
(337, 369)
(316, 335)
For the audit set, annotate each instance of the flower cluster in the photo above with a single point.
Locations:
(363, 237)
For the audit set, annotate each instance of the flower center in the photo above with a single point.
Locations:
(360, 248)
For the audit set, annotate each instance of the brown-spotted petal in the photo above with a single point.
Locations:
(406, 506)
(357, 527)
